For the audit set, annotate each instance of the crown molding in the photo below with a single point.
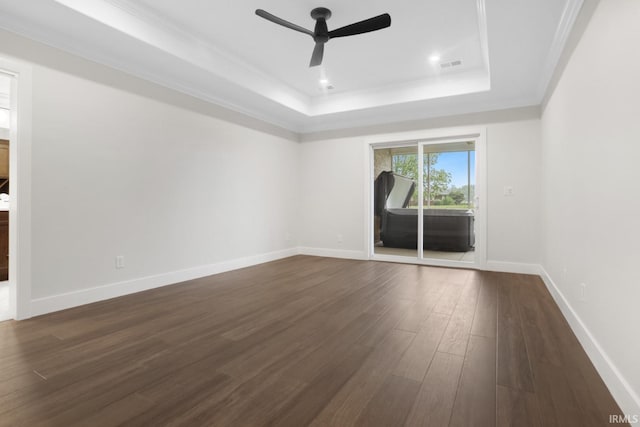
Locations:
(484, 35)
(134, 22)
(565, 26)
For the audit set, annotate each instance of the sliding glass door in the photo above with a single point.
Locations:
(424, 195)
(447, 214)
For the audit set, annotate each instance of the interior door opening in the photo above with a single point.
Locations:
(6, 305)
(424, 201)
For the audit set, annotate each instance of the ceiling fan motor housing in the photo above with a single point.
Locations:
(321, 32)
(321, 12)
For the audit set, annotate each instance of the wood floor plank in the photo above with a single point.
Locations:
(486, 317)
(57, 391)
(514, 368)
(417, 358)
(517, 408)
(557, 399)
(390, 406)
(375, 335)
(116, 413)
(425, 303)
(321, 388)
(307, 341)
(308, 367)
(591, 392)
(225, 402)
(456, 336)
(257, 407)
(347, 405)
(283, 345)
(449, 298)
(434, 403)
(475, 403)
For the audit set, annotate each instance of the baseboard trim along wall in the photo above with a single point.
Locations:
(67, 300)
(622, 392)
(512, 267)
(113, 290)
(333, 253)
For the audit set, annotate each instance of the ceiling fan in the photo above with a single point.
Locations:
(321, 34)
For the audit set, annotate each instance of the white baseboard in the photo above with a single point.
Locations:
(87, 296)
(512, 267)
(500, 266)
(333, 253)
(620, 389)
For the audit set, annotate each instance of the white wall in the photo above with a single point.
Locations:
(332, 195)
(590, 157)
(123, 167)
(332, 199)
(513, 159)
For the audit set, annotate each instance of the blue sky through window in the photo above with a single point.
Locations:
(456, 164)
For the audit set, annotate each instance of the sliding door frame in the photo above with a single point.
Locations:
(419, 139)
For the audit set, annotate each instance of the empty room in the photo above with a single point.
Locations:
(293, 213)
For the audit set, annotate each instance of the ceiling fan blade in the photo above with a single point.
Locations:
(269, 17)
(372, 24)
(318, 53)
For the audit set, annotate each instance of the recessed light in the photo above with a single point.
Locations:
(434, 58)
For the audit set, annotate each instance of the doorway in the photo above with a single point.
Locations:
(425, 196)
(6, 308)
(19, 75)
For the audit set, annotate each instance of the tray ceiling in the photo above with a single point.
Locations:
(491, 54)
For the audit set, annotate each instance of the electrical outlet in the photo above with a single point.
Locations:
(339, 238)
(583, 292)
(287, 236)
(508, 190)
(120, 261)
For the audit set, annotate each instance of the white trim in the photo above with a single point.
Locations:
(512, 267)
(427, 262)
(369, 171)
(424, 135)
(621, 390)
(58, 302)
(19, 186)
(481, 191)
(333, 253)
(481, 9)
(420, 166)
(565, 26)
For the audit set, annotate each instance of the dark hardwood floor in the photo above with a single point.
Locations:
(307, 341)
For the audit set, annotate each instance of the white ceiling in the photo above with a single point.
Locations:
(222, 52)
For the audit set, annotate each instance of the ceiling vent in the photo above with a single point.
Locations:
(451, 64)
